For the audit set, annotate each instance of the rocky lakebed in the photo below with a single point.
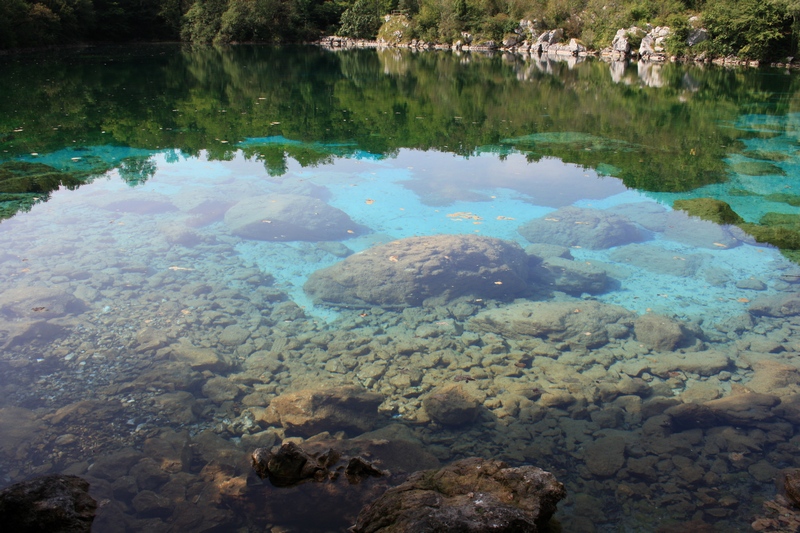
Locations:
(150, 350)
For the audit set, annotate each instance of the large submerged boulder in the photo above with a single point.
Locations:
(289, 217)
(578, 322)
(470, 495)
(587, 228)
(438, 268)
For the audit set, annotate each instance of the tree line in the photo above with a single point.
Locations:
(754, 29)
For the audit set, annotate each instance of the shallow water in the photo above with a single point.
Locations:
(144, 336)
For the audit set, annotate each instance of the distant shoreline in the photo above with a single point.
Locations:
(560, 53)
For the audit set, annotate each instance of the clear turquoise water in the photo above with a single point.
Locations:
(104, 282)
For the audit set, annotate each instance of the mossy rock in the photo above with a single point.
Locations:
(764, 155)
(782, 237)
(785, 220)
(757, 168)
(24, 177)
(791, 199)
(709, 209)
(741, 192)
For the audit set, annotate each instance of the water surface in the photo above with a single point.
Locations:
(144, 336)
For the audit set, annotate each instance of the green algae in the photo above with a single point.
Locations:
(709, 209)
(767, 155)
(790, 199)
(757, 168)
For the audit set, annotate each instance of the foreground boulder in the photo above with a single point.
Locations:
(324, 482)
(407, 272)
(51, 503)
(587, 228)
(289, 217)
(471, 495)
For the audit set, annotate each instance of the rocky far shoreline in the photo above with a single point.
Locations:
(526, 41)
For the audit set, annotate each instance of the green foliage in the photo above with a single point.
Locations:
(362, 20)
(751, 29)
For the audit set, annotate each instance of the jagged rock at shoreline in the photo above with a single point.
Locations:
(289, 217)
(439, 268)
(54, 503)
(470, 495)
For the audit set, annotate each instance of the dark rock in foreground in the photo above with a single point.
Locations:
(471, 495)
(56, 504)
(290, 465)
(438, 269)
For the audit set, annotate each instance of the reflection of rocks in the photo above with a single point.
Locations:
(51, 503)
(410, 271)
(311, 411)
(451, 405)
(289, 217)
(575, 226)
(471, 495)
(579, 322)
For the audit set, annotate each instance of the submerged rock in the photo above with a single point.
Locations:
(578, 322)
(451, 405)
(746, 410)
(659, 332)
(438, 269)
(571, 277)
(312, 411)
(588, 228)
(55, 503)
(709, 209)
(289, 217)
(471, 495)
(658, 260)
(39, 302)
(778, 305)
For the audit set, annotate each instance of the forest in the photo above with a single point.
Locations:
(749, 29)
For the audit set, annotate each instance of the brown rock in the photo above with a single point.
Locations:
(659, 332)
(438, 268)
(605, 456)
(451, 405)
(470, 496)
(311, 411)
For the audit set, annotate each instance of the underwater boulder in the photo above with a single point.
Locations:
(577, 322)
(39, 302)
(451, 405)
(290, 217)
(587, 228)
(438, 268)
(470, 495)
(571, 277)
(311, 411)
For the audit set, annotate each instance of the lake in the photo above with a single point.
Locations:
(193, 238)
